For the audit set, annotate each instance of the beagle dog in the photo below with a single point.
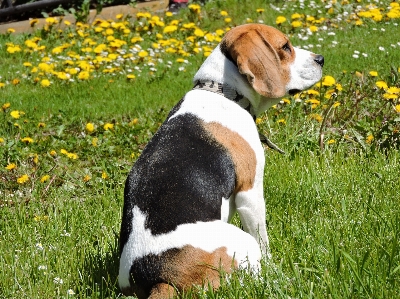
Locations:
(204, 164)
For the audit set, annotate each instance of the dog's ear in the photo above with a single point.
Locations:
(256, 58)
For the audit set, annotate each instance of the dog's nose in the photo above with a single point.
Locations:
(319, 59)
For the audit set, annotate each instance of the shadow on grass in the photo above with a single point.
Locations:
(100, 271)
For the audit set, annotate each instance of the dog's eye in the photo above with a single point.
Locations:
(286, 47)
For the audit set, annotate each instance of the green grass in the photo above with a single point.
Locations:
(332, 206)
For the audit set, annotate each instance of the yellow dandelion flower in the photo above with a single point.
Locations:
(53, 153)
(119, 16)
(397, 108)
(83, 75)
(369, 139)
(280, 20)
(23, 179)
(45, 83)
(44, 178)
(15, 114)
(381, 84)
(316, 116)
(5, 106)
(313, 28)
(32, 22)
(27, 140)
(393, 90)
(133, 122)
(260, 10)
(336, 104)
(169, 14)
(198, 32)
(10, 30)
(223, 13)
(1, 140)
(195, 8)
(390, 96)
(11, 166)
(72, 156)
(15, 81)
(296, 16)
(2, 84)
(328, 81)
(130, 76)
(41, 125)
(373, 73)
(51, 21)
(170, 29)
(281, 121)
(220, 32)
(143, 54)
(228, 20)
(94, 141)
(108, 126)
(104, 175)
(86, 178)
(13, 49)
(313, 92)
(27, 64)
(89, 127)
(331, 141)
(297, 24)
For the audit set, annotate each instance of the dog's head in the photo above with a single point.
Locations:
(260, 63)
(269, 61)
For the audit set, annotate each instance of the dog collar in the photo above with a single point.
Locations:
(230, 93)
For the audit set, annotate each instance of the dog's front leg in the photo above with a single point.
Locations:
(251, 208)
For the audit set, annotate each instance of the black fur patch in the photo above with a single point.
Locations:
(181, 177)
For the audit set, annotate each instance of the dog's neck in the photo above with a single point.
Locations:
(218, 74)
(218, 68)
(228, 92)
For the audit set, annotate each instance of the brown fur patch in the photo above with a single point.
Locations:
(243, 156)
(162, 291)
(190, 266)
(258, 51)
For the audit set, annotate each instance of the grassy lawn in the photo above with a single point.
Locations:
(78, 106)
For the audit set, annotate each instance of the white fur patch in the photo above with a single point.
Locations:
(304, 71)
(207, 236)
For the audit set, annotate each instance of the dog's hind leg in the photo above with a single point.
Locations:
(162, 291)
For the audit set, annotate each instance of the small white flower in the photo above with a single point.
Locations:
(355, 56)
(70, 292)
(181, 69)
(382, 29)
(65, 234)
(39, 246)
(331, 33)
(58, 280)
(356, 52)
(365, 54)
(381, 48)
(41, 267)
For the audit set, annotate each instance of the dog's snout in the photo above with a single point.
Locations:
(319, 59)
